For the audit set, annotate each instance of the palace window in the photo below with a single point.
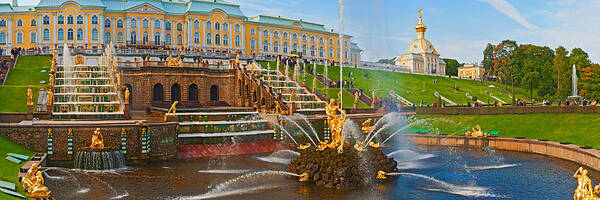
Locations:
(145, 23)
(295, 48)
(303, 37)
(179, 26)
(320, 40)
(266, 33)
(295, 36)
(285, 35)
(94, 19)
(107, 38)
(61, 19)
(237, 40)
(252, 44)
(208, 25)
(156, 23)
(33, 37)
(275, 34)
(208, 38)
(167, 25)
(133, 37)
(2, 23)
(19, 38)
(252, 32)
(331, 53)
(225, 27)
(133, 23)
(94, 34)
(119, 23)
(285, 47)
(330, 41)
(119, 37)
(197, 38)
(69, 19)
(19, 22)
(345, 54)
(61, 34)
(217, 39)
(179, 39)
(320, 51)
(312, 39)
(79, 34)
(46, 19)
(303, 49)
(265, 46)
(46, 34)
(145, 37)
(237, 28)
(217, 26)
(3, 37)
(168, 39)
(157, 38)
(196, 24)
(79, 19)
(107, 23)
(225, 40)
(275, 46)
(312, 51)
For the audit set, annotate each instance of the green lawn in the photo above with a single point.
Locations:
(9, 169)
(29, 71)
(580, 129)
(415, 87)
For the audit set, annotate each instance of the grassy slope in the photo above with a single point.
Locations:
(415, 87)
(13, 93)
(9, 169)
(580, 129)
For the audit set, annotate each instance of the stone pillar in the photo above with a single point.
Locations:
(29, 112)
(126, 111)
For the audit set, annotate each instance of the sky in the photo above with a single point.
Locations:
(459, 29)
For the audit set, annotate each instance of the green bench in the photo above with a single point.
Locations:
(420, 131)
(19, 156)
(12, 159)
(494, 133)
(12, 193)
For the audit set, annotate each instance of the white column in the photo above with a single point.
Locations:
(54, 21)
(113, 27)
(127, 28)
(101, 32)
(243, 38)
(203, 25)
(85, 30)
(162, 29)
(39, 30)
(151, 36)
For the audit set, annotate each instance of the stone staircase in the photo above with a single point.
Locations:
(400, 98)
(436, 94)
(471, 97)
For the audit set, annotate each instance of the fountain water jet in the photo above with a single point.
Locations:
(301, 129)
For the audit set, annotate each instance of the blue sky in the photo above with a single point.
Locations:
(458, 29)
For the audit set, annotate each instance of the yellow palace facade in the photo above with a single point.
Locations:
(202, 24)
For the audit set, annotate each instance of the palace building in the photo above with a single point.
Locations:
(209, 25)
(421, 56)
(472, 71)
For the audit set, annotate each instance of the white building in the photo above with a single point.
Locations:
(421, 56)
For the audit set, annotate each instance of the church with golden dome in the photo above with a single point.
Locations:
(421, 56)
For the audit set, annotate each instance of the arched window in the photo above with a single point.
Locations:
(330, 41)
(295, 48)
(168, 39)
(46, 20)
(79, 19)
(285, 35)
(179, 39)
(304, 49)
(60, 19)
(196, 24)
(179, 26)
(133, 37)
(61, 34)
(119, 24)
(79, 34)
(70, 34)
(94, 19)
(312, 50)
(237, 28)
(107, 38)
(320, 40)
(285, 47)
(19, 38)
(266, 33)
(2, 37)
(145, 37)
(107, 23)
(197, 38)
(217, 39)
(119, 37)
(145, 23)
(312, 38)
(214, 93)
(304, 37)
(19, 22)
(320, 51)
(168, 25)
(252, 32)
(237, 40)
(208, 25)
(33, 37)
(156, 23)
(133, 23)
(295, 36)
(252, 44)
(157, 93)
(2, 22)
(175, 93)
(70, 19)
(225, 40)
(46, 34)
(225, 27)
(94, 34)
(275, 46)
(331, 55)
(217, 26)
(266, 46)
(157, 38)
(208, 38)
(193, 93)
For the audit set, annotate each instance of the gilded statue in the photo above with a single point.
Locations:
(50, 97)
(476, 132)
(29, 96)
(51, 83)
(366, 126)
(381, 175)
(127, 93)
(359, 146)
(173, 107)
(584, 190)
(304, 146)
(118, 79)
(33, 183)
(303, 177)
(97, 140)
(173, 62)
(335, 124)
(293, 96)
(356, 97)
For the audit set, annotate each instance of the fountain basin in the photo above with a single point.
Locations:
(98, 159)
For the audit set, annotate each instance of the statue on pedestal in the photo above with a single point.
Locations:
(33, 183)
(97, 140)
(50, 97)
(127, 95)
(584, 190)
(335, 123)
(29, 96)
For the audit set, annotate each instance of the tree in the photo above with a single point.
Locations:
(563, 75)
(487, 63)
(503, 64)
(580, 59)
(451, 66)
(386, 61)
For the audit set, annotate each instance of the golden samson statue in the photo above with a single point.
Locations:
(97, 140)
(584, 190)
(33, 183)
(335, 124)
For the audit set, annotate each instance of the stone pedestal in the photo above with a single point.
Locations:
(126, 111)
(355, 105)
(30, 112)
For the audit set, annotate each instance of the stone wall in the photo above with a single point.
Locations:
(142, 80)
(163, 139)
(584, 156)
(508, 110)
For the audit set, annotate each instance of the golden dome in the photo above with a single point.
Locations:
(420, 27)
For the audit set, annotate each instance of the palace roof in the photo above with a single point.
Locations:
(288, 22)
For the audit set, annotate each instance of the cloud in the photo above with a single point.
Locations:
(506, 8)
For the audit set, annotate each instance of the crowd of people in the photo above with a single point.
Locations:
(4, 67)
